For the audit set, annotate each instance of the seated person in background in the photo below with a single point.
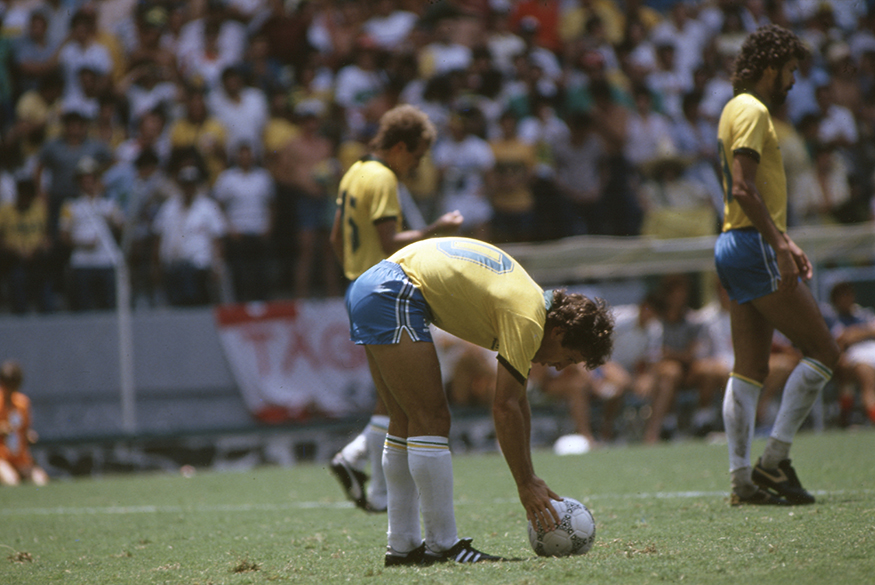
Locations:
(16, 463)
(854, 330)
(686, 362)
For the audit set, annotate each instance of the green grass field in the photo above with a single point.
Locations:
(662, 516)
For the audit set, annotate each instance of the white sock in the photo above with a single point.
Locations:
(356, 452)
(805, 382)
(431, 466)
(376, 438)
(404, 533)
(739, 418)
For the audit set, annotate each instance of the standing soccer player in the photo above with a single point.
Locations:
(368, 228)
(478, 293)
(760, 267)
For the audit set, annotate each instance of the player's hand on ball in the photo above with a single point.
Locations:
(535, 497)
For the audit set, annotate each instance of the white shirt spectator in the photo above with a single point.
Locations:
(390, 31)
(838, 124)
(72, 57)
(354, 86)
(244, 120)
(635, 344)
(246, 197)
(231, 41)
(464, 165)
(87, 220)
(188, 234)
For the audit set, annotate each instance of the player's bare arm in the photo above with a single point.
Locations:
(392, 240)
(512, 417)
(792, 262)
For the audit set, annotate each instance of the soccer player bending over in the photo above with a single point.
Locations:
(761, 267)
(478, 293)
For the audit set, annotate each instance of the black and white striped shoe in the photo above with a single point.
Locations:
(461, 552)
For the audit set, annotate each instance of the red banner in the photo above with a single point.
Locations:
(293, 360)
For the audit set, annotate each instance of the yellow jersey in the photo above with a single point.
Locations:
(368, 193)
(478, 293)
(746, 126)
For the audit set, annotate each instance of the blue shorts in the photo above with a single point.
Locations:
(746, 265)
(382, 303)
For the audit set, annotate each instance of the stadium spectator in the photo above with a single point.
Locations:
(390, 25)
(202, 131)
(37, 117)
(246, 193)
(83, 51)
(854, 329)
(358, 83)
(90, 225)
(511, 185)
(35, 55)
(189, 229)
(60, 156)
(578, 160)
(16, 434)
(25, 245)
(150, 134)
(464, 161)
(242, 110)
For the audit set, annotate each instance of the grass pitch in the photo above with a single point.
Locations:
(662, 516)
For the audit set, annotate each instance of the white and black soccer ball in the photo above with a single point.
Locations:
(574, 535)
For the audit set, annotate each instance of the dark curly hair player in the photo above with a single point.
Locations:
(475, 291)
(763, 271)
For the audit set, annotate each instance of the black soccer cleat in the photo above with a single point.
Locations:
(461, 552)
(351, 480)
(396, 559)
(783, 481)
(760, 497)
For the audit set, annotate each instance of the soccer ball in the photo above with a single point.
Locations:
(574, 535)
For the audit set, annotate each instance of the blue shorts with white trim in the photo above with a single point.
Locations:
(746, 264)
(382, 304)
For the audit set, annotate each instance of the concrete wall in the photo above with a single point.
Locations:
(71, 368)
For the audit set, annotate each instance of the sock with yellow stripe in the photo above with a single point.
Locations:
(375, 436)
(805, 382)
(403, 502)
(431, 466)
(739, 418)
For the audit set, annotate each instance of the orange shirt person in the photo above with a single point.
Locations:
(16, 463)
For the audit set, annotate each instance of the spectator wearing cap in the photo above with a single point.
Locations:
(24, 246)
(189, 228)
(241, 109)
(142, 36)
(35, 55)
(81, 51)
(90, 225)
(246, 194)
(61, 155)
(202, 131)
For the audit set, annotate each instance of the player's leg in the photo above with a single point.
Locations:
(751, 341)
(404, 532)
(412, 375)
(795, 313)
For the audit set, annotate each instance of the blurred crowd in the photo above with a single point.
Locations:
(202, 142)
(671, 362)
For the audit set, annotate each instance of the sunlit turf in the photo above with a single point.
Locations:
(662, 516)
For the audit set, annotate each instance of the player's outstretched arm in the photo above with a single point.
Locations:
(512, 417)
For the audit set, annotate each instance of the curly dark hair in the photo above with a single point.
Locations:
(768, 46)
(407, 124)
(588, 325)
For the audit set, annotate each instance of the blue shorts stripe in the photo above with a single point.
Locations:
(746, 264)
(382, 304)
